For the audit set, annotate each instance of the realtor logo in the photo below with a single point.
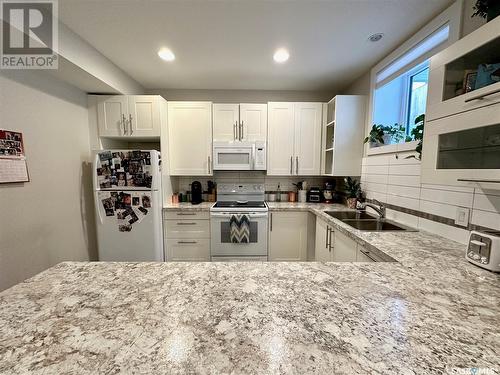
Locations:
(29, 34)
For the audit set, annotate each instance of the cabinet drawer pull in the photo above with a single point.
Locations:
(326, 239)
(186, 223)
(186, 213)
(186, 242)
(482, 96)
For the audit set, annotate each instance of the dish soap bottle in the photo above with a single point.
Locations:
(278, 193)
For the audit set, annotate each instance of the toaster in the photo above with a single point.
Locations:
(484, 250)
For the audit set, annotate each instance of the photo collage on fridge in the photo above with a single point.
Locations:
(127, 170)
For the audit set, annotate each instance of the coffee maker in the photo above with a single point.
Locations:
(196, 192)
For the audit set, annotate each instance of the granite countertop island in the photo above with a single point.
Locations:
(431, 312)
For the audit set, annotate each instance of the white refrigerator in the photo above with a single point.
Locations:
(128, 202)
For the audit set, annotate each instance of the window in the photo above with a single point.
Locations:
(402, 99)
(400, 91)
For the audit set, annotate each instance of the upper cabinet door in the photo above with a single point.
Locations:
(112, 116)
(308, 139)
(144, 116)
(226, 122)
(253, 122)
(190, 138)
(280, 138)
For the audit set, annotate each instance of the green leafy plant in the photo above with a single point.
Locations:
(376, 135)
(417, 134)
(352, 188)
(396, 131)
(488, 9)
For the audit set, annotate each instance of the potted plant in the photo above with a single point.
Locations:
(353, 191)
(488, 9)
(395, 133)
(417, 134)
(376, 136)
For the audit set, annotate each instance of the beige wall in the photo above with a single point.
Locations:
(242, 96)
(50, 218)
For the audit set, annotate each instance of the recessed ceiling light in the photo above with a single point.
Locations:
(166, 54)
(281, 55)
(375, 37)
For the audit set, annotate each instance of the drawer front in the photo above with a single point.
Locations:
(186, 215)
(179, 250)
(187, 229)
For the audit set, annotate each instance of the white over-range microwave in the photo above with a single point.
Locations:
(239, 156)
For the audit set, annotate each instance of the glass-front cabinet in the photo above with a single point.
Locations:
(463, 149)
(466, 75)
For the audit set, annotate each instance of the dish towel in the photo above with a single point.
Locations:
(239, 228)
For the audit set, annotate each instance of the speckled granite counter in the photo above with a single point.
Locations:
(431, 313)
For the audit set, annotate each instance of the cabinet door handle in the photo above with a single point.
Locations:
(130, 123)
(242, 127)
(291, 165)
(297, 165)
(186, 242)
(482, 96)
(271, 222)
(330, 240)
(235, 130)
(326, 239)
(124, 123)
(209, 165)
(186, 223)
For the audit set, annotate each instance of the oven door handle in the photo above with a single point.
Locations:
(238, 213)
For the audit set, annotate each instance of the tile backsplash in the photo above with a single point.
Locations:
(182, 184)
(396, 181)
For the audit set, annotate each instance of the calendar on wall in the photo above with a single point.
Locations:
(13, 167)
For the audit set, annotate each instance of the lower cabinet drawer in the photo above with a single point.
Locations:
(186, 215)
(179, 250)
(187, 229)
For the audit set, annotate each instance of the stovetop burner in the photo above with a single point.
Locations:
(240, 204)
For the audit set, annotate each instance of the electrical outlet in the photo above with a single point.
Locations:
(462, 216)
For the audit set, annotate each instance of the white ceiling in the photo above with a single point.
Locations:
(228, 44)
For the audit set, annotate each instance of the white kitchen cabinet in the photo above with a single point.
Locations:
(253, 118)
(186, 236)
(280, 140)
(342, 135)
(294, 139)
(190, 138)
(239, 122)
(129, 116)
(183, 250)
(322, 249)
(288, 236)
(343, 248)
(226, 118)
(463, 149)
(447, 92)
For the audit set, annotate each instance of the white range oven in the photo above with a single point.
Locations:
(239, 199)
(239, 156)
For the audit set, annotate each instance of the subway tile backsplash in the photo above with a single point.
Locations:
(182, 184)
(396, 181)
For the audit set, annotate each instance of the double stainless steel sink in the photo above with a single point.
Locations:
(366, 222)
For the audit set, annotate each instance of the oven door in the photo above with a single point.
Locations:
(233, 158)
(221, 244)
